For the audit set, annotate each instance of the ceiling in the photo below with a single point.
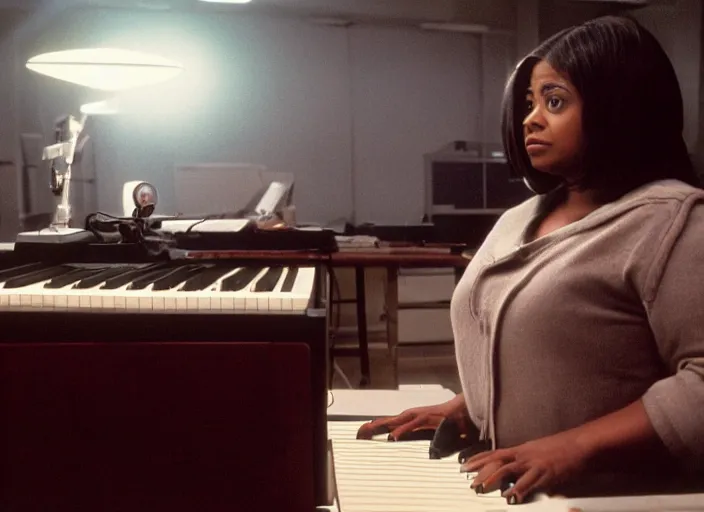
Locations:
(490, 12)
(496, 14)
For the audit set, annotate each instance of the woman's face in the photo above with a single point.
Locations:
(552, 127)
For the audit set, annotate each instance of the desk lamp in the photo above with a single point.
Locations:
(102, 69)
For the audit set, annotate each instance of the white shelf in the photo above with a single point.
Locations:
(451, 210)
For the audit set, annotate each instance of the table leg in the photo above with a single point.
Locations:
(392, 318)
(362, 325)
(459, 272)
(329, 297)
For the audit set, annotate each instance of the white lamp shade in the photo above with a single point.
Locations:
(105, 69)
(101, 108)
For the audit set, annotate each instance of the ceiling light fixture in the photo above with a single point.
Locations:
(227, 1)
(105, 69)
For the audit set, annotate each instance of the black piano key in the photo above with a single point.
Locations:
(71, 277)
(145, 280)
(268, 281)
(239, 280)
(104, 275)
(178, 276)
(23, 269)
(37, 276)
(290, 279)
(203, 280)
(121, 280)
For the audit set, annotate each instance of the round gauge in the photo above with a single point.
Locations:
(144, 194)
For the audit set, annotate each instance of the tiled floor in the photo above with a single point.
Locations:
(417, 365)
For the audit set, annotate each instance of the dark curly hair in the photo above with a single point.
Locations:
(632, 108)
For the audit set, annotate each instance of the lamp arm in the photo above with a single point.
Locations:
(68, 131)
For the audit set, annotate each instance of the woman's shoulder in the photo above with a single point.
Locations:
(676, 240)
(660, 210)
(664, 190)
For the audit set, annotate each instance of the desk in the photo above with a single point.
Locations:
(392, 259)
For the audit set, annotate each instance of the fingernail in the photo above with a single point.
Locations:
(390, 438)
(506, 487)
(479, 488)
(512, 500)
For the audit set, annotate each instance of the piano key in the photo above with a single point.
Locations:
(178, 276)
(209, 300)
(268, 281)
(378, 476)
(302, 289)
(98, 279)
(240, 279)
(224, 288)
(207, 278)
(126, 278)
(149, 278)
(276, 297)
(290, 279)
(250, 300)
(36, 277)
(71, 277)
(22, 269)
(264, 289)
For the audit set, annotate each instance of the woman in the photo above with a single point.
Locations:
(578, 325)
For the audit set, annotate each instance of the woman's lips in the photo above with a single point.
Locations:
(535, 147)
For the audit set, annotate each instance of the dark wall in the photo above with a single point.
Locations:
(698, 156)
(556, 15)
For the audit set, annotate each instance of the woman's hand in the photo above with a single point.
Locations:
(418, 418)
(622, 437)
(535, 466)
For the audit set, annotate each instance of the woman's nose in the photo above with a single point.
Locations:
(534, 120)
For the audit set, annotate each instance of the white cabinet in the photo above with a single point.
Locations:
(424, 305)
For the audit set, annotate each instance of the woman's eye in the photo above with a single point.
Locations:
(554, 103)
(529, 106)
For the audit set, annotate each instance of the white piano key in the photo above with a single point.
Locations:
(169, 304)
(37, 301)
(212, 299)
(379, 476)
(256, 301)
(60, 302)
(303, 288)
(275, 297)
(227, 304)
(159, 303)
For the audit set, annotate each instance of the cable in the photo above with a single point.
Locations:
(112, 229)
(227, 215)
(188, 230)
(342, 375)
